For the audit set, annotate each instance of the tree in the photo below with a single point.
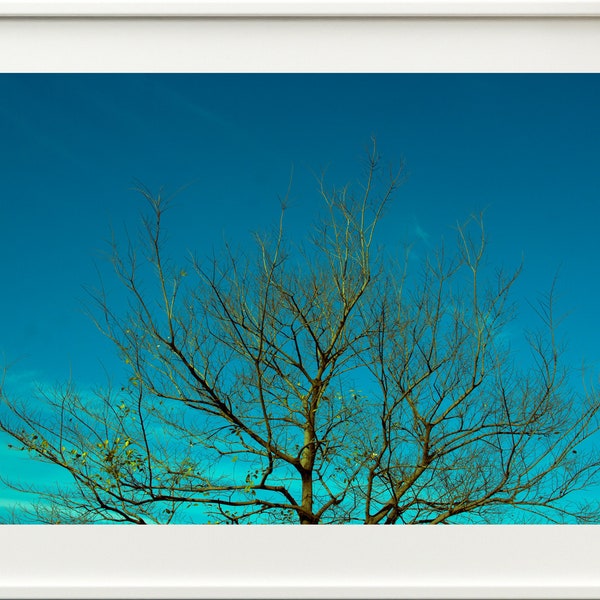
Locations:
(317, 383)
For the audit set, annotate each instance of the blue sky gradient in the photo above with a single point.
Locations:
(525, 148)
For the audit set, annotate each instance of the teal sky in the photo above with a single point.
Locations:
(72, 147)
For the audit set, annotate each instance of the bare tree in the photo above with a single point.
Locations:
(312, 383)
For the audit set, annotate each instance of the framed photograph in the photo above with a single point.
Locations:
(243, 248)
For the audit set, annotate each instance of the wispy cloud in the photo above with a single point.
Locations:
(420, 233)
(20, 382)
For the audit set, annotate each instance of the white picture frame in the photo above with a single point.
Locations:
(279, 561)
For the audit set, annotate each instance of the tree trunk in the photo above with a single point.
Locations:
(307, 461)
(307, 499)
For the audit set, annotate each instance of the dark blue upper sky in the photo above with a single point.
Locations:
(72, 147)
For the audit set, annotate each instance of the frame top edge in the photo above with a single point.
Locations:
(300, 8)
